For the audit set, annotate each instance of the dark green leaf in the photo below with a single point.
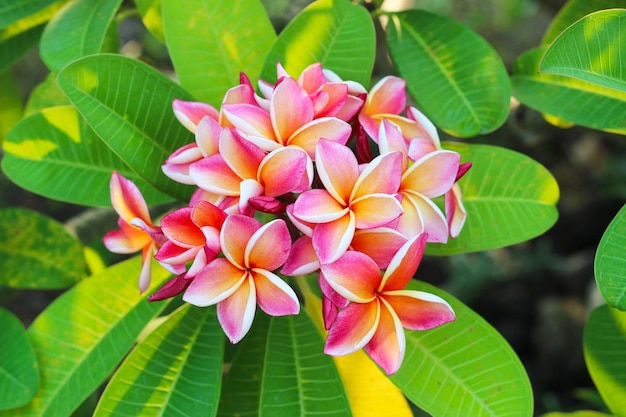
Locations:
(610, 262)
(509, 198)
(19, 375)
(12, 11)
(78, 29)
(176, 370)
(456, 78)
(336, 33)
(605, 347)
(211, 42)
(37, 252)
(464, 368)
(14, 46)
(129, 106)
(56, 154)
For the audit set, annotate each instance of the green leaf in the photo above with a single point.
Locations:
(610, 262)
(37, 252)
(336, 33)
(577, 414)
(213, 44)
(281, 370)
(577, 101)
(150, 11)
(13, 46)
(574, 10)
(509, 198)
(11, 11)
(176, 370)
(46, 94)
(55, 153)
(456, 78)
(129, 106)
(19, 374)
(605, 346)
(464, 368)
(10, 103)
(85, 333)
(78, 29)
(590, 50)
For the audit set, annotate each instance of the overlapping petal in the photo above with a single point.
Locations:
(338, 169)
(236, 313)
(217, 281)
(290, 108)
(353, 328)
(432, 175)
(189, 113)
(354, 276)
(388, 344)
(318, 206)
(127, 200)
(404, 264)
(375, 210)
(419, 310)
(332, 239)
(273, 295)
(234, 237)
(382, 175)
(285, 170)
(268, 248)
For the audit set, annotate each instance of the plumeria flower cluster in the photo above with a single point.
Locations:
(308, 175)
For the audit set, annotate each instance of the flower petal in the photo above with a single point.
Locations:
(332, 239)
(419, 310)
(189, 113)
(171, 253)
(178, 227)
(214, 175)
(214, 283)
(354, 276)
(387, 96)
(382, 175)
(353, 328)
(250, 120)
(127, 199)
(290, 108)
(404, 264)
(429, 131)
(208, 136)
(338, 169)
(375, 210)
(318, 206)
(234, 237)
(330, 128)
(430, 216)
(380, 244)
(282, 170)
(236, 313)
(268, 248)
(170, 289)
(128, 239)
(432, 175)
(273, 295)
(388, 344)
(302, 258)
(455, 211)
(390, 140)
(241, 156)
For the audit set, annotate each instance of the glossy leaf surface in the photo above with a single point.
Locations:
(464, 368)
(509, 198)
(176, 370)
(456, 78)
(211, 42)
(574, 100)
(19, 374)
(37, 252)
(591, 50)
(55, 153)
(336, 33)
(129, 106)
(605, 347)
(281, 370)
(78, 29)
(85, 333)
(610, 262)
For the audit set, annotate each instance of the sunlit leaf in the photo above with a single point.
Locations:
(55, 153)
(37, 252)
(464, 368)
(281, 370)
(78, 29)
(509, 198)
(150, 11)
(211, 42)
(369, 391)
(12, 11)
(577, 101)
(605, 347)
(129, 106)
(455, 77)
(577, 414)
(46, 94)
(591, 50)
(610, 262)
(336, 33)
(176, 370)
(19, 375)
(85, 333)
(574, 10)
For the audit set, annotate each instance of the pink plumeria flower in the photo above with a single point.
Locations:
(243, 278)
(351, 199)
(137, 233)
(379, 305)
(190, 113)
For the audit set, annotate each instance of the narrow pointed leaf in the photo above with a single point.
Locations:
(211, 42)
(129, 106)
(336, 33)
(591, 50)
(56, 154)
(37, 252)
(19, 374)
(509, 197)
(610, 262)
(574, 100)
(281, 370)
(463, 368)
(574, 10)
(78, 29)
(456, 78)
(175, 371)
(605, 346)
(85, 333)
